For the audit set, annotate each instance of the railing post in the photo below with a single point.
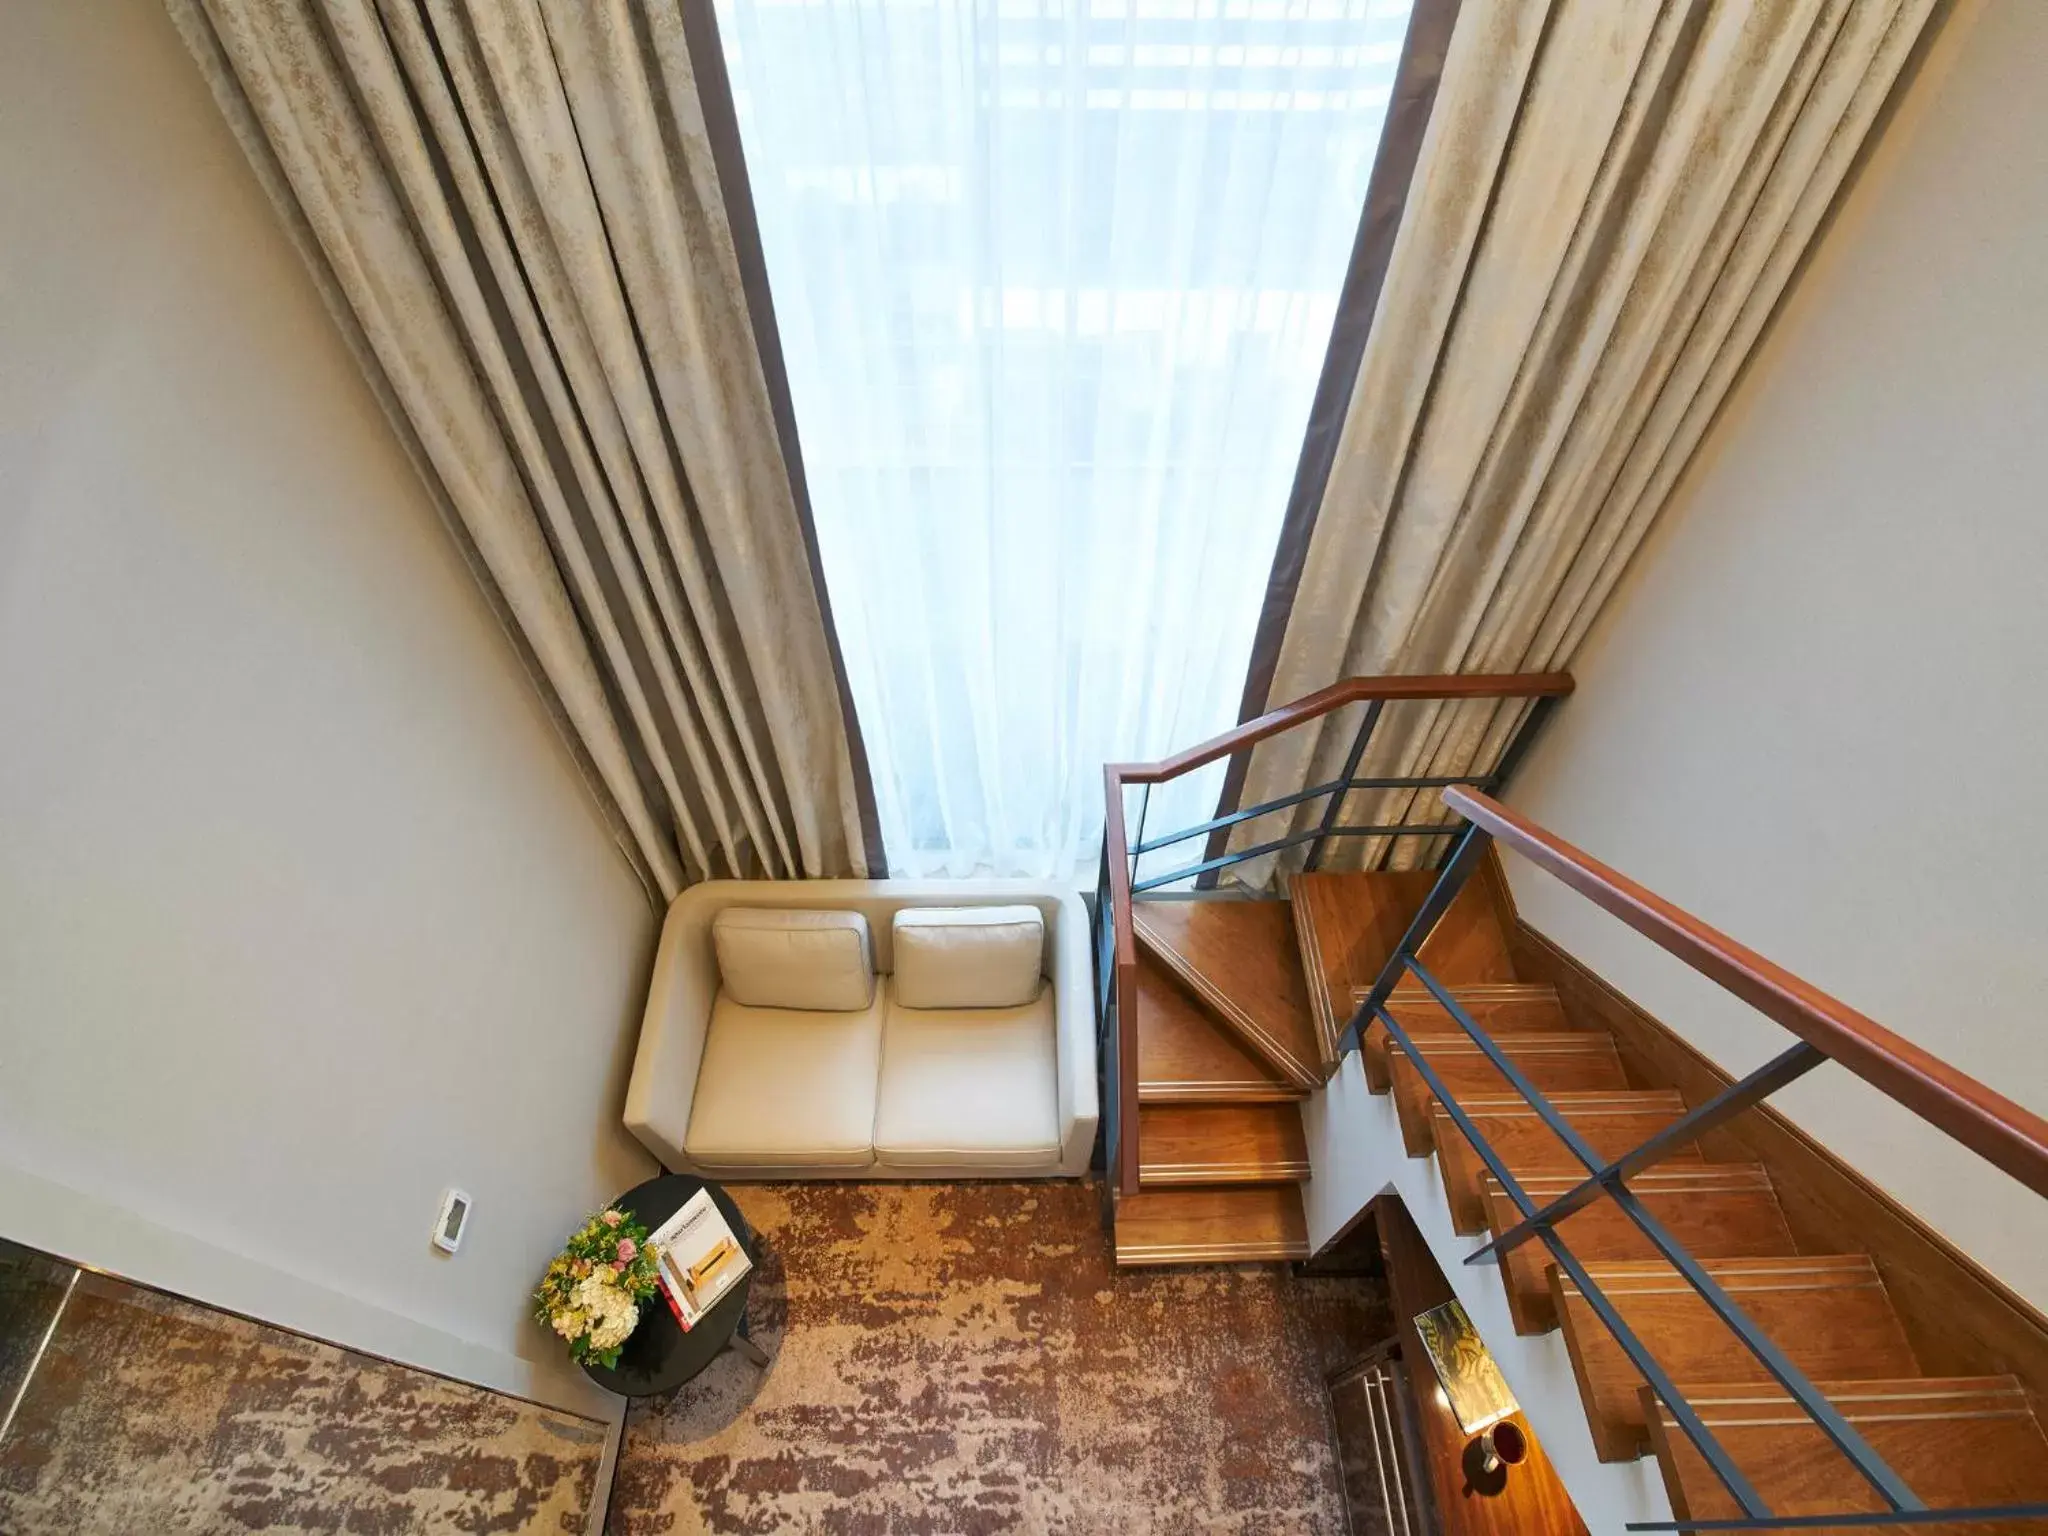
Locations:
(1335, 808)
(1519, 744)
(1104, 945)
(1120, 1048)
(1470, 850)
(1138, 842)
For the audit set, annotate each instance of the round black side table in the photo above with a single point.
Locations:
(660, 1357)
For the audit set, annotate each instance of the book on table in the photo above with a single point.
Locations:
(698, 1257)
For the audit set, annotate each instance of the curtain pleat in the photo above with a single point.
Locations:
(515, 211)
(1609, 205)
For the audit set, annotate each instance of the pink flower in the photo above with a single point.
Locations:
(619, 1267)
(612, 1218)
(627, 1248)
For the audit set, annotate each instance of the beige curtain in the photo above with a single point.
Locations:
(517, 215)
(1609, 202)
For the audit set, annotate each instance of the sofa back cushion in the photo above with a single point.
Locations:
(968, 957)
(787, 958)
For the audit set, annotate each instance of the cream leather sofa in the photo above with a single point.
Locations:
(874, 1085)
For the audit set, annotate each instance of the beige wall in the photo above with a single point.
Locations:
(304, 912)
(1815, 713)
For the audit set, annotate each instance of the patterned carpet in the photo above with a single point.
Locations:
(966, 1358)
(945, 1359)
(147, 1415)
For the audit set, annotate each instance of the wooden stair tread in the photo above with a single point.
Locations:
(1499, 1008)
(1211, 1226)
(1611, 1123)
(1347, 923)
(1556, 1062)
(1829, 1314)
(1717, 1210)
(1220, 1144)
(1185, 1056)
(1238, 958)
(1957, 1442)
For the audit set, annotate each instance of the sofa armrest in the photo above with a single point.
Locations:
(1074, 1009)
(672, 1031)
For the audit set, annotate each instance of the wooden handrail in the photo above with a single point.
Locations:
(1982, 1119)
(1352, 690)
(1123, 1176)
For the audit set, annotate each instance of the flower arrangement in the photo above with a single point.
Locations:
(592, 1292)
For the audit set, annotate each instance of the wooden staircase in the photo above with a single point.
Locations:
(1240, 1009)
(1226, 1053)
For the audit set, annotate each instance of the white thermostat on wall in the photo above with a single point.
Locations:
(454, 1217)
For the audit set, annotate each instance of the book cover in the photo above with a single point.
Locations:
(698, 1257)
(1478, 1392)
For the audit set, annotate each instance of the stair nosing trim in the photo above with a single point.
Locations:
(1198, 1091)
(1518, 1043)
(1195, 1253)
(1731, 1287)
(1528, 1112)
(1648, 1277)
(1578, 1097)
(1551, 1189)
(1846, 1392)
(1802, 1420)
(1761, 1264)
(1168, 957)
(1246, 1084)
(1247, 1172)
(1735, 1182)
(1320, 1006)
(1858, 1393)
(1473, 991)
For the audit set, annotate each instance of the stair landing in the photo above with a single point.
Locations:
(1237, 959)
(1348, 924)
(1187, 1057)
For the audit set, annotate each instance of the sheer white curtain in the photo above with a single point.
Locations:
(1054, 281)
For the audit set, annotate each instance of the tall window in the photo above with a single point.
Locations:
(1054, 280)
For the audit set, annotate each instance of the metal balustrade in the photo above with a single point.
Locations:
(1828, 1030)
(2008, 1136)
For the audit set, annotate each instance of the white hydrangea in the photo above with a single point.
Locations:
(615, 1330)
(611, 1313)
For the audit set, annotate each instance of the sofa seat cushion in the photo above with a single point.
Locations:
(786, 1088)
(778, 957)
(969, 1085)
(968, 957)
